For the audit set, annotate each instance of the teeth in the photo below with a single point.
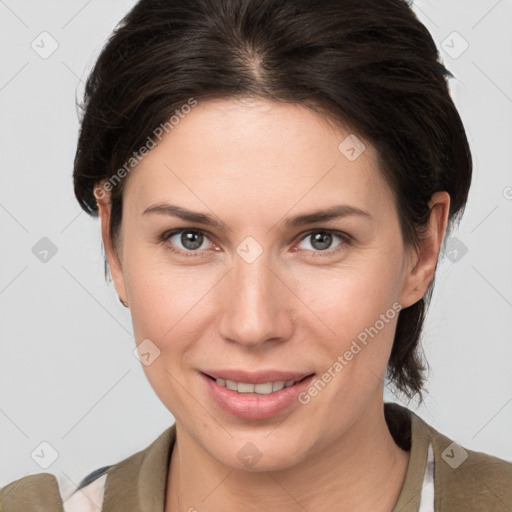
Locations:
(260, 389)
(278, 385)
(245, 388)
(233, 386)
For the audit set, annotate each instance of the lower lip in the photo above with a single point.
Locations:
(252, 406)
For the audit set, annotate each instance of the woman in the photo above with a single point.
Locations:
(275, 180)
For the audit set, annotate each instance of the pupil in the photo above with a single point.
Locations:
(191, 239)
(322, 240)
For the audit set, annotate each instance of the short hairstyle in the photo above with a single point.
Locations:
(369, 65)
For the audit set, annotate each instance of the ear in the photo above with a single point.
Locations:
(113, 258)
(422, 264)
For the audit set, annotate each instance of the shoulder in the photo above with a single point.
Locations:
(45, 492)
(41, 489)
(52, 495)
(466, 479)
(471, 477)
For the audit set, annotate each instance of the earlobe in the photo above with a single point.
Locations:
(423, 265)
(114, 261)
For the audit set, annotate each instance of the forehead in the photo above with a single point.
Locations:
(256, 155)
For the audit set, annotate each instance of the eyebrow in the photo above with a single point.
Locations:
(336, 211)
(330, 213)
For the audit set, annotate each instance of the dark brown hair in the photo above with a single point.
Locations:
(370, 65)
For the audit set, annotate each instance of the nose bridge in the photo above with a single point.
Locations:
(254, 306)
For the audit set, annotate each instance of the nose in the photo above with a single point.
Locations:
(256, 305)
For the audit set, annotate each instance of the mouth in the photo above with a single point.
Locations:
(264, 388)
(258, 395)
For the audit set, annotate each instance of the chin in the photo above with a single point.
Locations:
(258, 452)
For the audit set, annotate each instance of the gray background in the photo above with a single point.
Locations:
(68, 373)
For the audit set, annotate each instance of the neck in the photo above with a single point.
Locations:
(362, 471)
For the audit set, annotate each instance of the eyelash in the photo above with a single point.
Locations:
(345, 238)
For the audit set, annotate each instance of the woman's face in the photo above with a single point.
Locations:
(259, 293)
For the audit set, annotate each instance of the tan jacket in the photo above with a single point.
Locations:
(464, 480)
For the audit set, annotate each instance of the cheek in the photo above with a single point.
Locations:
(161, 293)
(358, 303)
(352, 296)
(163, 302)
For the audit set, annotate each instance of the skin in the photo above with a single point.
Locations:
(252, 164)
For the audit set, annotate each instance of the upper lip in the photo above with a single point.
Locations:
(259, 377)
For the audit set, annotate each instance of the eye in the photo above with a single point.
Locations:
(321, 241)
(189, 241)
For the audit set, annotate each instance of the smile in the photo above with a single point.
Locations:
(261, 389)
(255, 396)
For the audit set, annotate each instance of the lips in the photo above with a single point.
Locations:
(258, 395)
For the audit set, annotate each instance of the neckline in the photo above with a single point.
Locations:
(141, 479)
